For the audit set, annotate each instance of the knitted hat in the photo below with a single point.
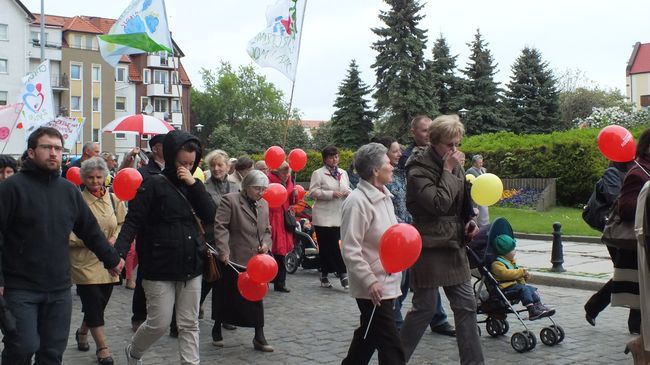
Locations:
(504, 244)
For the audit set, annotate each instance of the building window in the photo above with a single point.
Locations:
(120, 74)
(160, 77)
(160, 105)
(120, 103)
(175, 77)
(164, 61)
(176, 106)
(3, 98)
(145, 137)
(95, 135)
(146, 75)
(4, 32)
(120, 135)
(645, 100)
(3, 66)
(144, 101)
(76, 41)
(95, 104)
(36, 36)
(89, 42)
(97, 73)
(75, 103)
(75, 72)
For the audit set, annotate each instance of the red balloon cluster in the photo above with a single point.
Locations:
(297, 159)
(126, 183)
(275, 195)
(260, 270)
(617, 143)
(399, 247)
(249, 289)
(74, 175)
(274, 157)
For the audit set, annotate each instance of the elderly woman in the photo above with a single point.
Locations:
(243, 166)
(329, 186)
(367, 214)
(281, 236)
(477, 170)
(94, 283)
(241, 231)
(435, 196)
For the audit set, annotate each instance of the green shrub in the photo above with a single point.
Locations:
(315, 161)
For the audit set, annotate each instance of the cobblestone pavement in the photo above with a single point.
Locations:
(312, 325)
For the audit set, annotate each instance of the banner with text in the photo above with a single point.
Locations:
(36, 95)
(69, 128)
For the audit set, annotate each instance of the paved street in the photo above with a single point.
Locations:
(312, 325)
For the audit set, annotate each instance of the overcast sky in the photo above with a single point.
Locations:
(595, 37)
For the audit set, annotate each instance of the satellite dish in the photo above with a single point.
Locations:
(148, 109)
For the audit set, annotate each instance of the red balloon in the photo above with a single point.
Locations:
(262, 268)
(126, 183)
(297, 159)
(399, 247)
(617, 143)
(74, 175)
(251, 290)
(274, 157)
(301, 192)
(275, 195)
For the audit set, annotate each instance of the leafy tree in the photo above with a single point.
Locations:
(323, 136)
(352, 121)
(532, 97)
(445, 87)
(481, 92)
(401, 90)
(581, 102)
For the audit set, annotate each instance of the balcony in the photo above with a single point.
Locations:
(52, 50)
(59, 82)
(162, 62)
(167, 90)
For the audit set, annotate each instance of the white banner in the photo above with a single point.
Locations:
(69, 128)
(36, 95)
(8, 117)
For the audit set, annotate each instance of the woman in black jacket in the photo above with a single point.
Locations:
(170, 249)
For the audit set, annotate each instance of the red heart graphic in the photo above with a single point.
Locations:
(19, 126)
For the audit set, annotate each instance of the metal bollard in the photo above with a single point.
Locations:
(557, 256)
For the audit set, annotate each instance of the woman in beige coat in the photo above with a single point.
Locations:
(94, 283)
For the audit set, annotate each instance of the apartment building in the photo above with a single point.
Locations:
(637, 76)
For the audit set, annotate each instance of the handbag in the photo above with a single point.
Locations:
(619, 233)
(210, 268)
(290, 220)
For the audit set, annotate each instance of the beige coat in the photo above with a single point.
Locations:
(367, 214)
(238, 231)
(86, 268)
(326, 211)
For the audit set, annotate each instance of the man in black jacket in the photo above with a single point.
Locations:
(39, 210)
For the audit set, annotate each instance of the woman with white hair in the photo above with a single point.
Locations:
(241, 231)
(367, 213)
(94, 283)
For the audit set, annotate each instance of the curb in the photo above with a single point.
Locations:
(548, 237)
(566, 280)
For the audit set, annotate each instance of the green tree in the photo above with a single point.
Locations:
(532, 96)
(401, 90)
(445, 87)
(581, 102)
(352, 120)
(323, 136)
(481, 92)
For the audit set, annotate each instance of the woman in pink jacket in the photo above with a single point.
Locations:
(281, 236)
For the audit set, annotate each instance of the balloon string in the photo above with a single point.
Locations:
(373, 313)
(233, 267)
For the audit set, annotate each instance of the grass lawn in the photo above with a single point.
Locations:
(531, 221)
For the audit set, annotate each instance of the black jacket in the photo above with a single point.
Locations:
(169, 245)
(150, 169)
(39, 210)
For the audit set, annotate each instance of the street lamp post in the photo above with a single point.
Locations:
(199, 127)
(463, 112)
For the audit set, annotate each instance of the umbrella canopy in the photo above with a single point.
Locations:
(138, 124)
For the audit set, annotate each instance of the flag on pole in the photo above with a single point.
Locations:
(278, 45)
(36, 95)
(8, 117)
(141, 28)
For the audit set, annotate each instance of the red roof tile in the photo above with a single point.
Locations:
(80, 24)
(641, 59)
(185, 80)
(134, 73)
(51, 20)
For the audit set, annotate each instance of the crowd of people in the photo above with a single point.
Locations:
(54, 234)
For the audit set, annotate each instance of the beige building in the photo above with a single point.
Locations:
(637, 88)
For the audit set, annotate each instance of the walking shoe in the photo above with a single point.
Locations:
(130, 360)
(547, 311)
(217, 342)
(130, 283)
(535, 312)
(444, 329)
(262, 346)
(344, 282)
(325, 282)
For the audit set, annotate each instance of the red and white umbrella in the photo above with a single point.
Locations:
(138, 124)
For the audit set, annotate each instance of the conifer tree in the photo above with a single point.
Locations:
(445, 87)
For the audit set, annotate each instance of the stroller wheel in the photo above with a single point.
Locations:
(519, 342)
(559, 331)
(505, 326)
(548, 336)
(532, 340)
(291, 262)
(493, 327)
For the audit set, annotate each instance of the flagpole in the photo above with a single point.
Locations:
(293, 82)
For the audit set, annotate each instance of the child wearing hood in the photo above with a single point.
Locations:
(512, 278)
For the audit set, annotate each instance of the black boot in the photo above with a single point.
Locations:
(259, 341)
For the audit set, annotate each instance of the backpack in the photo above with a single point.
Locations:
(598, 207)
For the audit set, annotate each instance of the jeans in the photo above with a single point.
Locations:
(526, 293)
(42, 323)
(440, 316)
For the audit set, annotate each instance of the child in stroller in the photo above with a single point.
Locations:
(512, 278)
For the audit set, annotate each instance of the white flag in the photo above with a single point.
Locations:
(69, 128)
(36, 95)
(278, 45)
(8, 116)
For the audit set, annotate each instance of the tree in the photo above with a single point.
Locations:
(352, 121)
(581, 102)
(401, 90)
(532, 96)
(481, 92)
(445, 87)
(323, 136)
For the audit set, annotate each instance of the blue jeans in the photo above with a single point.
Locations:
(440, 317)
(42, 323)
(526, 293)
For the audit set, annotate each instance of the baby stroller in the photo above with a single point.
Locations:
(305, 250)
(493, 303)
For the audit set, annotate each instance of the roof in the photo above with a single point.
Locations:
(134, 73)
(81, 24)
(639, 60)
(24, 8)
(50, 20)
(185, 80)
(312, 124)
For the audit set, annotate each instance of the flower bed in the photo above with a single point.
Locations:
(519, 198)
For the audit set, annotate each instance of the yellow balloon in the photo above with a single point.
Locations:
(470, 178)
(199, 174)
(487, 189)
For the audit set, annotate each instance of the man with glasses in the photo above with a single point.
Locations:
(39, 210)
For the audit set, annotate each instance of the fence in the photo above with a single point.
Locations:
(547, 198)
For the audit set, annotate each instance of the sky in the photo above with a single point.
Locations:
(595, 37)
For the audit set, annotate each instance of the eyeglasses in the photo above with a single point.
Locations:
(49, 147)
